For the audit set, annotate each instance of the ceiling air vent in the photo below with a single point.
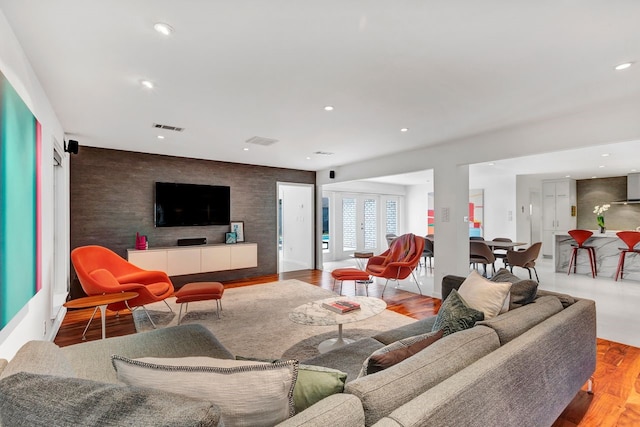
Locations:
(323, 153)
(167, 127)
(260, 140)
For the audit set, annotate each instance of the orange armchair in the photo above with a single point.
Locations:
(102, 271)
(399, 261)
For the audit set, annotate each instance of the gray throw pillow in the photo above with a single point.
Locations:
(523, 291)
(45, 400)
(455, 315)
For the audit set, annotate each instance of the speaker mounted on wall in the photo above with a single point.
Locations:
(332, 174)
(71, 147)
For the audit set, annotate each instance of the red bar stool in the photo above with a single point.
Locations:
(581, 236)
(631, 238)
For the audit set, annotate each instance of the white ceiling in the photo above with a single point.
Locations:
(237, 69)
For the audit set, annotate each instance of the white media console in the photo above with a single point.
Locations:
(178, 260)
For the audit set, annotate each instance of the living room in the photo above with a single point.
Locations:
(65, 115)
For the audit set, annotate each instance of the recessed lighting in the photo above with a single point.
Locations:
(601, 166)
(147, 83)
(308, 158)
(605, 154)
(567, 176)
(162, 28)
(491, 164)
(160, 136)
(623, 66)
(245, 149)
(404, 130)
(634, 170)
(594, 177)
(328, 108)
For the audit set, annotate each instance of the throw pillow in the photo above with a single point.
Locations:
(483, 294)
(398, 351)
(455, 315)
(247, 392)
(46, 400)
(314, 383)
(523, 291)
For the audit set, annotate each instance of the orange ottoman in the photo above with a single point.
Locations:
(199, 291)
(356, 275)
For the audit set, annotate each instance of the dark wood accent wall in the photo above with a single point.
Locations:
(599, 191)
(112, 194)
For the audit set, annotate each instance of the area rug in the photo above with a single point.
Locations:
(255, 320)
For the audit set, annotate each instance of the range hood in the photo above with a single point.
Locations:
(633, 190)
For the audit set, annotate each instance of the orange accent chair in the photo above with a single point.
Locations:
(399, 261)
(631, 239)
(102, 271)
(581, 236)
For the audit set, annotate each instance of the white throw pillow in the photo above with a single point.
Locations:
(484, 295)
(248, 393)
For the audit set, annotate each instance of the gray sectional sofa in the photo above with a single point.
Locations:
(520, 368)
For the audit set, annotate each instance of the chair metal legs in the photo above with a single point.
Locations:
(397, 281)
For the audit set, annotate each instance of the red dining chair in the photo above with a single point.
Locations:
(581, 236)
(631, 239)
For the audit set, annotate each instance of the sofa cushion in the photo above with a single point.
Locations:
(92, 360)
(412, 329)
(348, 358)
(455, 315)
(3, 364)
(39, 357)
(247, 392)
(45, 400)
(386, 390)
(565, 299)
(396, 352)
(483, 294)
(514, 323)
(522, 292)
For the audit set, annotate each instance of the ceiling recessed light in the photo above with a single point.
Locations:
(594, 177)
(163, 28)
(601, 166)
(147, 83)
(623, 66)
(605, 154)
(491, 164)
(160, 136)
(567, 176)
(308, 158)
(328, 108)
(404, 130)
(245, 149)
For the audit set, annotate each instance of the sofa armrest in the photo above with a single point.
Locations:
(336, 410)
(450, 282)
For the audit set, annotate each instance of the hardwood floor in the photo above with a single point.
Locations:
(616, 397)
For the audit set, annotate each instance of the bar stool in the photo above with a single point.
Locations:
(631, 238)
(580, 236)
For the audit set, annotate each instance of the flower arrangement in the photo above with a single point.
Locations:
(599, 211)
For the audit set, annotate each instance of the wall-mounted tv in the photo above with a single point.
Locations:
(191, 204)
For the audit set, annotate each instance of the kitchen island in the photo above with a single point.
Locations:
(607, 247)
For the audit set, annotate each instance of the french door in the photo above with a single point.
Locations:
(360, 223)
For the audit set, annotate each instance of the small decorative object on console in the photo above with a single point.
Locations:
(230, 237)
(341, 306)
(141, 242)
(238, 228)
(599, 211)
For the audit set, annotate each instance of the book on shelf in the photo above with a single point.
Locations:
(341, 306)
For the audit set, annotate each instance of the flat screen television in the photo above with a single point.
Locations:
(191, 204)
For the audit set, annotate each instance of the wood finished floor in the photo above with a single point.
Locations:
(616, 398)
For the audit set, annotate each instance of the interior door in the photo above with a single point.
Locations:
(295, 227)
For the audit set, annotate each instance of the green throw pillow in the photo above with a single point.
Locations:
(314, 383)
(455, 315)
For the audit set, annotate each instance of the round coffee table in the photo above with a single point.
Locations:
(314, 314)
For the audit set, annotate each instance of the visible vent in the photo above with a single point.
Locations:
(324, 153)
(167, 127)
(260, 140)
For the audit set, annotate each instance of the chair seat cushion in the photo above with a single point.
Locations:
(375, 269)
(159, 288)
(349, 274)
(199, 292)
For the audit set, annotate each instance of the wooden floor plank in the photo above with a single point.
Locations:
(616, 397)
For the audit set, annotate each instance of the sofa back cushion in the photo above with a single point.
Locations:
(3, 364)
(39, 357)
(46, 400)
(384, 391)
(514, 323)
(522, 292)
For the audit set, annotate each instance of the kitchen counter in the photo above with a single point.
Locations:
(607, 255)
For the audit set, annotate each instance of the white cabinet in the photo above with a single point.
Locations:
(179, 260)
(558, 198)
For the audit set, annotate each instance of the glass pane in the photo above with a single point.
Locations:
(370, 224)
(325, 224)
(392, 217)
(348, 225)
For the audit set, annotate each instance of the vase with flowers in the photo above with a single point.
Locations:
(599, 211)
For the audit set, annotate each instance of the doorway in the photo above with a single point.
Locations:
(295, 240)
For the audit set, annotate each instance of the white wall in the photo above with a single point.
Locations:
(416, 202)
(499, 200)
(34, 321)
